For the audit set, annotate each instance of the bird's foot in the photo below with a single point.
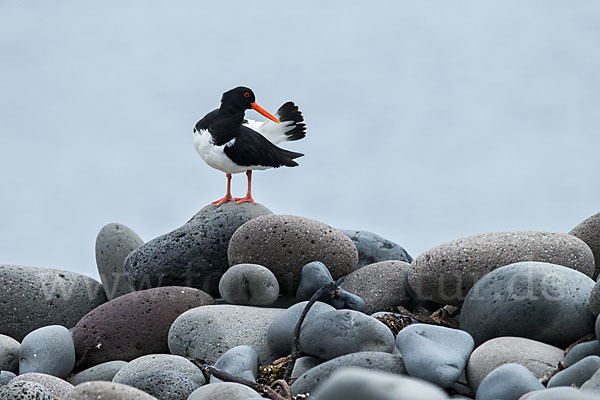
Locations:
(225, 199)
(247, 199)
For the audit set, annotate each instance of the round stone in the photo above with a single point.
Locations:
(580, 351)
(576, 374)
(539, 358)
(9, 354)
(335, 333)
(48, 350)
(240, 361)
(208, 332)
(510, 381)
(305, 363)
(134, 324)
(106, 391)
(434, 353)
(101, 372)
(373, 248)
(224, 391)
(446, 273)
(559, 393)
(57, 386)
(380, 285)
(5, 377)
(33, 297)
(589, 232)
(113, 244)
(24, 390)
(285, 243)
(539, 301)
(595, 300)
(193, 255)
(250, 285)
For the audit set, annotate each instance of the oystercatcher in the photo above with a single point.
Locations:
(228, 142)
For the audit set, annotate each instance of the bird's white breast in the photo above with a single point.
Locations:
(215, 155)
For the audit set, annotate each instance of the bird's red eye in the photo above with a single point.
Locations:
(246, 94)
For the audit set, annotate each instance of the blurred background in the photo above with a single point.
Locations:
(427, 121)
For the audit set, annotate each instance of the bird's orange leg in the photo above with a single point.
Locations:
(248, 197)
(228, 196)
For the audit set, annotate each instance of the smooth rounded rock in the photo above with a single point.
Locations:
(106, 391)
(335, 333)
(224, 391)
(595, 300)
(240, 361)
(360, 384)
(508, 382)
(9, 354)
(33, 297)
(134, 324)
(559, 393)
(57, 386)
(434, 353)
(24, 390)
(193, 255)
(592, 384)
(446, 273)
(101, 372)
(303, 364)
(576, 374)
(281, 330)
(539, 301)
(208, 332)
(250, 285)
(589, 232)
(370, 360)
(5, 377)
(47, 350)
(380, 285)
(285, 243)
(539, 358)
(580, 351)
(373, 248)
(113, 244)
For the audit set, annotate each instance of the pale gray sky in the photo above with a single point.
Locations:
(427, 121)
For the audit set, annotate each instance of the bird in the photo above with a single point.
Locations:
(229, 142)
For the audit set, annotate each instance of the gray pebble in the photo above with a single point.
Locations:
(589, 232)
(240, 361)
(576, 374)
(560, 393)
(249, 284)
(434, 353)
(113, 244)
(335, 333)
(57, 386)
(5, 377)
(224, 391)
(24, 390)
(48, 350)
(9, 354)
(303, 364)
(592, 384)
(582, 350)
(100, 390)
(101, 372)
(595, 299)
(373, 248)
(508, 382)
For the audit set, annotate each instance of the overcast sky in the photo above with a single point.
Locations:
(426, 120)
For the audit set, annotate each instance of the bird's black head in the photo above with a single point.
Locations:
(240, 97)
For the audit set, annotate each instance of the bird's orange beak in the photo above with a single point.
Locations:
(264, 112)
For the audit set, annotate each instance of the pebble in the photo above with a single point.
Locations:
(208, 332)
(164, 376)
(592, 384)
(194, 255)
(57, 386)
(582, 350)
(539, 358)
(595, 300)
(373, 248)
(360, 384)
(303, 364)
(446, 273)
(559, 393)
(285, 243)
(224, 391)
(369, 360)
(47, 350)
(9, 354)
(540, 301)
(113, 244)
(380, 285)
(335, 333)
(508, 382)
(106, 391)
(33, 297)
(134, 324)
(5, 377)
(589, 232)
(434, 353)
(281, 330)
(24, 390)
(576, 374)
(249, 285)
(101, 372)
(240, 361)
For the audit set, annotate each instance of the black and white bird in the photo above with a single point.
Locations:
(230, 143)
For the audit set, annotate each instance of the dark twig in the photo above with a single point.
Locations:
(330, 287)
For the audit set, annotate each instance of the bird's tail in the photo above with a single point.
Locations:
(290, 114)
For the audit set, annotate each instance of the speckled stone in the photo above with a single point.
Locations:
(373, 248)
(509, 381)
(193, 255)
(540, 358)
(48, 350)
(134, 324)
(540, 301)
(589, 232)
(285, 243)
(57, 386)
(101, 372)
(224, 391)
(380, 285)
(24, 390)
(107, 391)
(33, 297)
(371, 360)
(446, 273)
(576, 374)
(113, 244)
(208, 332)
(249, 285)
(9, 354)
